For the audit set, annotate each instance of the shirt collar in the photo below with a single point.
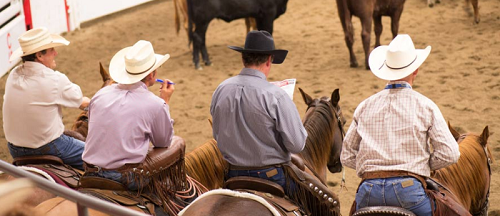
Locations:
(132, 86)
(32, 67)
(253, 72)
(399, 82)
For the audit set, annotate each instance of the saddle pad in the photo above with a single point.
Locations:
(67, 174)
(232, 193)
(123, 198)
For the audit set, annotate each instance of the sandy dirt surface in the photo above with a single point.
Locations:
(461, 75)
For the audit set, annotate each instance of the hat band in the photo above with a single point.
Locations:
(141, 71)
(399, 68)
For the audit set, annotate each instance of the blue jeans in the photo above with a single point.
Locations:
(118, 177)
(278, 178)
(65, 147)
(405, 192)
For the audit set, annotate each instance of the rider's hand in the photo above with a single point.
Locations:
(166, 90)
(85, 103)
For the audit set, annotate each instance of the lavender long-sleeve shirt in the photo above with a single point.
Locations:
(123, 120)
(255, 122)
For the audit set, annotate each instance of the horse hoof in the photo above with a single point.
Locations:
(354, 65)
(431, 5)
(367, 67)
(438, 2)
(208, 63)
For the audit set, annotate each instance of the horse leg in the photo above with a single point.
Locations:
(366, 24)
(395, 20)
(377, 21)
(476, 10)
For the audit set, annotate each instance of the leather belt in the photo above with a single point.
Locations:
(390, 174)
(93, 168)
(234, 167)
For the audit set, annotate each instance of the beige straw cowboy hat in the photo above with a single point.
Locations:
(132, 64)
(36, 40)
(397, 60)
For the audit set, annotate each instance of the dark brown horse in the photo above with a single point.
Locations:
(368, 10)
(324, 123)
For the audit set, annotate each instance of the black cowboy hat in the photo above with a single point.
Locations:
(261, 42)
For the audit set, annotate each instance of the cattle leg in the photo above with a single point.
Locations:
(476, 10)
(377, 21)
(204, 52)
(198, 36)
(265, 23)
(366, 24)
(430, 3)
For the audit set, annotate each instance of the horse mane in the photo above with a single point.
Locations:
(207, 165)
(465, 178)
(314, 153)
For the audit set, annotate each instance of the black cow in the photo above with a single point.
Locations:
(201, 12)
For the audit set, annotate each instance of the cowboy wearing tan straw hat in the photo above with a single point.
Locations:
(389, 138)
(127, 117)
(34, 95)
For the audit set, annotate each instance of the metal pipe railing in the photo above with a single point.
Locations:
(83, 201)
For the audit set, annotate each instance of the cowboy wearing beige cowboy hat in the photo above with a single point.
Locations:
(126, 117)
(389, 137)
(34, 95)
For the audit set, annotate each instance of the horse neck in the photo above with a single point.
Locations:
(206, 165)
(468, 177)
(320, 132)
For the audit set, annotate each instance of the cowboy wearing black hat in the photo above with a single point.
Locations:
(256, 124)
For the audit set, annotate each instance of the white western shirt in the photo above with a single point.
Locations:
(32, 103)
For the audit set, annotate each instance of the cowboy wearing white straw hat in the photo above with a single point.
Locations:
(389, 138)
(34, 95)
(126, 117)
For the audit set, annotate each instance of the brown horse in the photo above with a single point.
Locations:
(469, 179)
(324, 123)
(368, 10)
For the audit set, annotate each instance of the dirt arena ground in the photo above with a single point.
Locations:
(461, 75)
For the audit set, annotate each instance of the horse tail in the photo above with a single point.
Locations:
(190, 21)
(176, 18)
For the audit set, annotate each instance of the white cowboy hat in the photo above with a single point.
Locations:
(398, 60)
(36, 40)
(132, 64)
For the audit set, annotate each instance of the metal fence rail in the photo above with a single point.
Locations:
(83, 201)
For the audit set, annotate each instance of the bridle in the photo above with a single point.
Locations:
(484, 208)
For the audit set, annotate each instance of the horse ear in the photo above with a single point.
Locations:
(335, 98)
(485, 135)
(455, 134)
(104, 73)
(307, 99)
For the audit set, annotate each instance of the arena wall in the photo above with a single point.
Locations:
(17, 16)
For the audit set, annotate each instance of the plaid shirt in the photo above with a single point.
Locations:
(396, 129)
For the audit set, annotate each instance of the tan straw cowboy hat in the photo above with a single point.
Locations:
(132, 64)
(36, 40)
(398, 60)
